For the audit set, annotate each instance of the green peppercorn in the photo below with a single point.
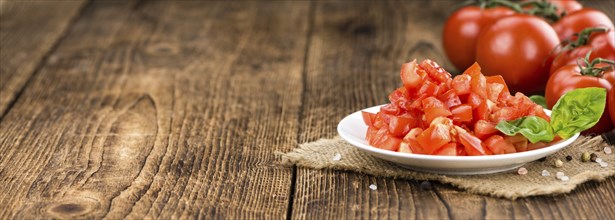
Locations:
(585, 156)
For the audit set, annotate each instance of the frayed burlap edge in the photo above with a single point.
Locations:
(320, 155)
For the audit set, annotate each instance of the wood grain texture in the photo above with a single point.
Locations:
(353, 61)
(28, 30)
(160, 110)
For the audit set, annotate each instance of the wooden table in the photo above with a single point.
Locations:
(142, 109)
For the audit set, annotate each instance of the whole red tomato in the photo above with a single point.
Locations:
(518, 47)
(610, 102)
(461, 32)
(566, 6)
(570, 77)
(578, 20)
(601, 44)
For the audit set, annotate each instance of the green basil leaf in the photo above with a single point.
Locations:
(578, 110)
(533, 128)
(540, 100)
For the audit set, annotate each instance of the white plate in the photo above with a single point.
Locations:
(353, 129)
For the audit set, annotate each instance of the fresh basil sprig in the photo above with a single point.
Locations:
(534, 128)
(578, 110)
(575, 111)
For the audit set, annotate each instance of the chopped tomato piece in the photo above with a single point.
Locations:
(368, 118)
(432, 113)
(462, 113)
(434, 137)
(432, 102)
(494, 90)
(518, 141)
(500, 80)
(461, 84)
(428, 88)
(400, 125)
(384, 140)
(472, 145)
(450, 98)
(435, 71)
(449, 149)
(540, 112)
(410, 78)
(498, 145)
(474, 100)
(484, 128)
(391, 109)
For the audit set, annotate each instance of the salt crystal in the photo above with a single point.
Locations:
(564, 178)
(598, 160)
(607, 150)
(559, 175)
(373, 187)
(603, 164)
(337, 156)
(522, 171)
(545, 173)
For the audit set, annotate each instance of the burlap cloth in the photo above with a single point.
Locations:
(320, 154)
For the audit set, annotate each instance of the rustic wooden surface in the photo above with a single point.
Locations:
(160, 109)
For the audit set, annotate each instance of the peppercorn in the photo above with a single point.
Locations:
(559, 163)
(593, 157)
(585, 156)
(568, 158)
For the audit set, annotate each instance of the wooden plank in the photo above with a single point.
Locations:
(353, 62)
(28, 30)
(160, 110)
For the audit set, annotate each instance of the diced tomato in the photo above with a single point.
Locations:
(507, 114)
(404, 147)
(382, 120)
(540, 112)
(368, 118)
(461, 84)
(494, 90)
(436, 114)
(484, 128)
(449, 149)
(371, 134)
(432, 113)
(450, 98)
(384, 140)
(400, 125)
(498, 145)
(498, 79)
(434, 137)
(410, 140)
(428, 88)
(435, 71)
(412, 134)
(462, 113)
(537, 145)
(431, 102)
(409, 77)
(472, 145)
(442, 120)
(391, 109)
(518, 141)
(474, 100)
(399, 97)
(482, 111)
